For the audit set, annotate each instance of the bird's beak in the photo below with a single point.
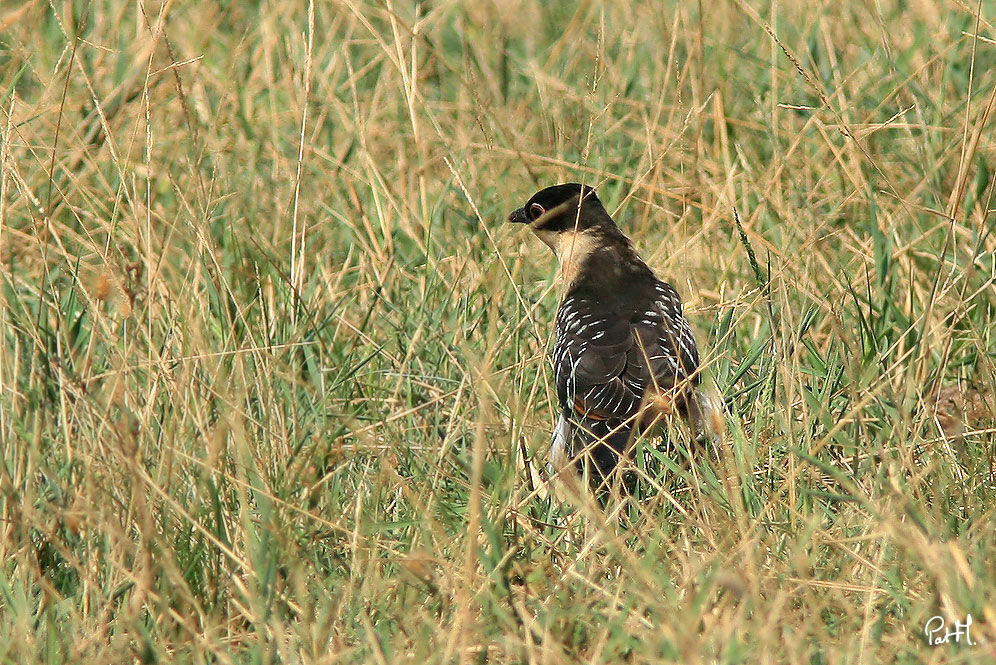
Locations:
(518, 216)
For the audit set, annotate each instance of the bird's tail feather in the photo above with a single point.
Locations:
(597, 441)
(705, 417)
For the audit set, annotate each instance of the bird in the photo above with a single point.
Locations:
(624, 355)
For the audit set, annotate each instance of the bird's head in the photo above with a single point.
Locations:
(563, 215)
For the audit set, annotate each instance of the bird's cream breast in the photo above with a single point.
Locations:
(572, 249)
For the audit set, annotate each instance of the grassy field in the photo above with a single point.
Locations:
(273, 374)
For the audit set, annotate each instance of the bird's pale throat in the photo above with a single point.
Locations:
(572, 249)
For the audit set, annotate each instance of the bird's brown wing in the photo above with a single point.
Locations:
(605, 363)
(674, 333)
(589, 360)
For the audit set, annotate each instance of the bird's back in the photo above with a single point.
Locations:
(621, 338)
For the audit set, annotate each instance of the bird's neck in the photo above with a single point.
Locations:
(574, 251)
(603, 259)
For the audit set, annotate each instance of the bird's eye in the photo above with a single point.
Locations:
(535, 210)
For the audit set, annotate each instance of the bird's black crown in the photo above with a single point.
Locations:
(561, 202)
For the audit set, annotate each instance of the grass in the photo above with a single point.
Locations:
(273, 378)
